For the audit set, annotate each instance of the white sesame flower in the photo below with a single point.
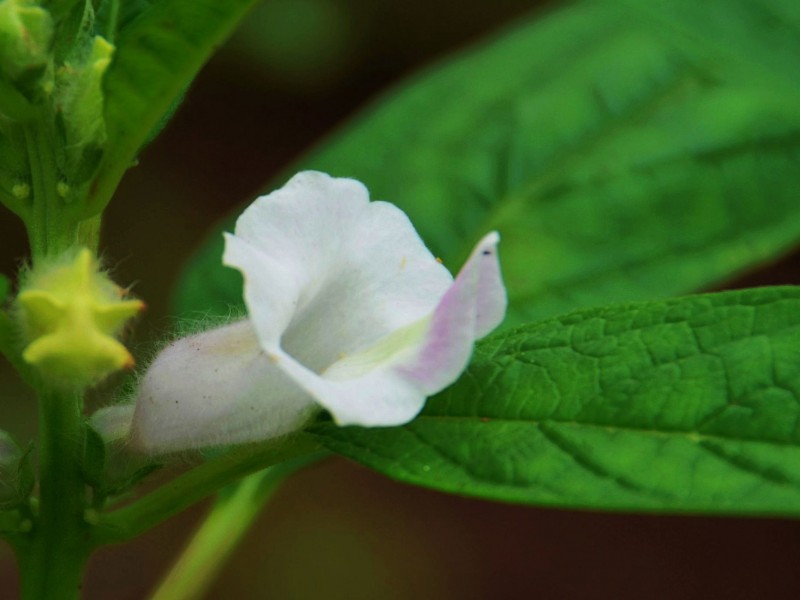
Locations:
(348, 311)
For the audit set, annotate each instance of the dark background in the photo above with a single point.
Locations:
(294, 71)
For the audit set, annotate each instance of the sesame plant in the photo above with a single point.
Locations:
(494, 282)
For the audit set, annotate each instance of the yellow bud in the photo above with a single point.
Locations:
(71, 315)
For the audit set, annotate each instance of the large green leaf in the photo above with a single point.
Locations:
(770, 29)
(616, 167)
(685, 405)
(158, 53)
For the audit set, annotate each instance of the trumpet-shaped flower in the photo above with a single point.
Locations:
(348, 310)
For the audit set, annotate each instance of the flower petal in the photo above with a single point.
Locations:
(215, 388)
(473, 306)
(387, 383)
(327, 272)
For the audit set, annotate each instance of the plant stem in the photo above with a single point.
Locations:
(191, 487)
(47, 236)
(112, 23)
(55, 225)
(231, 516)
(53, 557)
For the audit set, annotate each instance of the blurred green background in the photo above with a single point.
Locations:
(295, 71)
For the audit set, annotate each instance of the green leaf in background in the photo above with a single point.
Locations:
(59, 9)
(115, 15)
(685, 405)
(771, 29)
(616, 167)
(157, 54)
(5, 288)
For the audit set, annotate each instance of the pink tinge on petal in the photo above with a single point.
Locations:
(473, 306)
(491, 299)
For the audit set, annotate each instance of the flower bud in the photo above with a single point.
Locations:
(71, 314)
(79, 94)
(26, 31)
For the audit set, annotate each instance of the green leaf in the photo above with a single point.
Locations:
(124, 483)
(616, 167)
(109, 468)
(93, 463)
(113, 15)
(762, 37)
(5, 288)
(26, 478)
(157, 55)
(16, 473)
(74, 31)
(686, 405)
(59, 9)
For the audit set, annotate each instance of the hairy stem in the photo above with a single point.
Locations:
(53, 556)
(195, 485)
(55, 225)
(47, 236)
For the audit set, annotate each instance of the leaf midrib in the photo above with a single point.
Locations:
(582, 147)
(692, 436)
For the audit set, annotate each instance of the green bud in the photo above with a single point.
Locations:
(63, 189)
(21, 191)
(26, 32)
(71, 315)
(79, 95)
(78, 101)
